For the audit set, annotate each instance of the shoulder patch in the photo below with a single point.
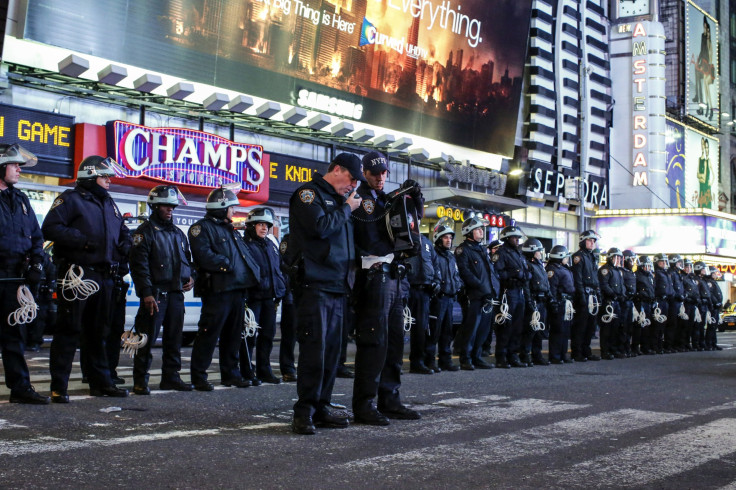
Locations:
(576, 259)
(604, 271)
(494, 258)
(57, 202)
(195, 230)
(550, 274)
(137, 239)
(306, 196)
(282, 247)
(369, 205)
(458, 250)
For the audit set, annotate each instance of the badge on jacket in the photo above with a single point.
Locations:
(369, 206)
(604, 271)
(306, 196)
(550, 274)
(137, 239)
(195, 230)
(57, 202)
(576, 259)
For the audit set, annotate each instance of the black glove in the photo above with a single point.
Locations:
(33, 275)
(679, 297)
(530, 305)
(435, 288)
(409, 183)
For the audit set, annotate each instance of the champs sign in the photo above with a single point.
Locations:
(185, 157)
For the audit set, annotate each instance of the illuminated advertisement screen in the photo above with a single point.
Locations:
(701, 55)
(720, 236)
(701, 170)
(675, 149)
(443, 69)
(654, 234)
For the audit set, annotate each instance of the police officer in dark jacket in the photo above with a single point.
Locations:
(440, 308)
(160, 265)
(225, 271)
(701, 270)
(613, 293)
(627, 307)
(321, 256)
(663, 292)
(46, 318)
(673, 334)
(263, 298)
(287, 366)
(481, 288)
(424, 281)
(89, 233)
(513, 271)
(587, 295)
(537, 294)
(561, 290)
(716, 295)
(381, 297)
(21, 258)
(692, 299)
(641, 335)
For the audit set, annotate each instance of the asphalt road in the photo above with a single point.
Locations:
(666, 421)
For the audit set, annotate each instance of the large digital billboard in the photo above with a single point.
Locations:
(675, 151)
(702, 95)
(701, 170)
(443, 69)
(653, 234)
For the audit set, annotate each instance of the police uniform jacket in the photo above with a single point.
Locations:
(676, 280)
(629, 282)
(424, 270)
(476, 270)
(561, 285)
(644, 286)
(538, 286)
(371, 234)
(585, 272)
(450, 282)
(20, 235)
(705, 298)
(321, 238)
(663, 289)
(78, 218)
(611, 282)
(690, 288)
(716, 296)
(221, 258)
(271, 283)
(160, 258)
(511, 266)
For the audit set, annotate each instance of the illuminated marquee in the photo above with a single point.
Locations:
(186, 157)
(640, 104)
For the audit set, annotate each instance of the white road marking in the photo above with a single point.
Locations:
(4, 424)
(660, 458)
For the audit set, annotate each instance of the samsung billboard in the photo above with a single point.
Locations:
(449, 70)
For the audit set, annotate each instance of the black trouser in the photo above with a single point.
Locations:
(517, 305)
(12, 337)
(170, 315)
(627, 324)
(673, 321)
(688, 327)
(419, 307)
(474, 330)
(221, 318)
(319, 330)
(639, 333)
(288, 338)
(86, 321)
(658, 328)
(440, 331)
(608, 330)
(379, 339)
(117, 326)
(711, 338)
(559, 332)
(532, 339)
(583, 329)
(45, 318)
(348, 327)
(698, 332)
(264, 311)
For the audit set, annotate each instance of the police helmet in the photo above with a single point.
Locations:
(16, 154)
(699, 266)
(675, 258)
(687, 262)
(260, 215)
(471, 224)
(660, 257)
(614, 252)
(531, 246)
(558, 252)
(645, 262)
(510, 231)
(713, 269)
(629, 255)
(164, 194)
(221, 198)
(96, 166)
(589, 234)
(441, 231)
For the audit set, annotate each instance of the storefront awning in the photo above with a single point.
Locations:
(471, 199)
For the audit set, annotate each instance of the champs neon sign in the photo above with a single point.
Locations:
(186, 157)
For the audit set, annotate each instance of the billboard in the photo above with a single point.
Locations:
(654, 234)
(701, 170)
(702, 95)
(675, 155)
(443, 69)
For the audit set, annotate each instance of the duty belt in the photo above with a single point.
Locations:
(104, 269)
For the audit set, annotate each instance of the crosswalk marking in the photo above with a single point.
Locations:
(528, 442)
(659, 458)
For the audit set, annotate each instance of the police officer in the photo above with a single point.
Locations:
(692, 299)
(89, 233)
(537, 294)
(424, 282)
(701, 270)
(561, 290)
(613, 293)
(481, 288)
(487, 344)
(321, 258)
(21, 262)
(263, 298)
(383, 290)
(225, 271)
(160, 265)
(663, 292)
(673, 334)
(46, 318)
(711, 340)
(627, 307)
(513, 271)
(641, 334)
(587, 294)
(440, 309)
(288, 322)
